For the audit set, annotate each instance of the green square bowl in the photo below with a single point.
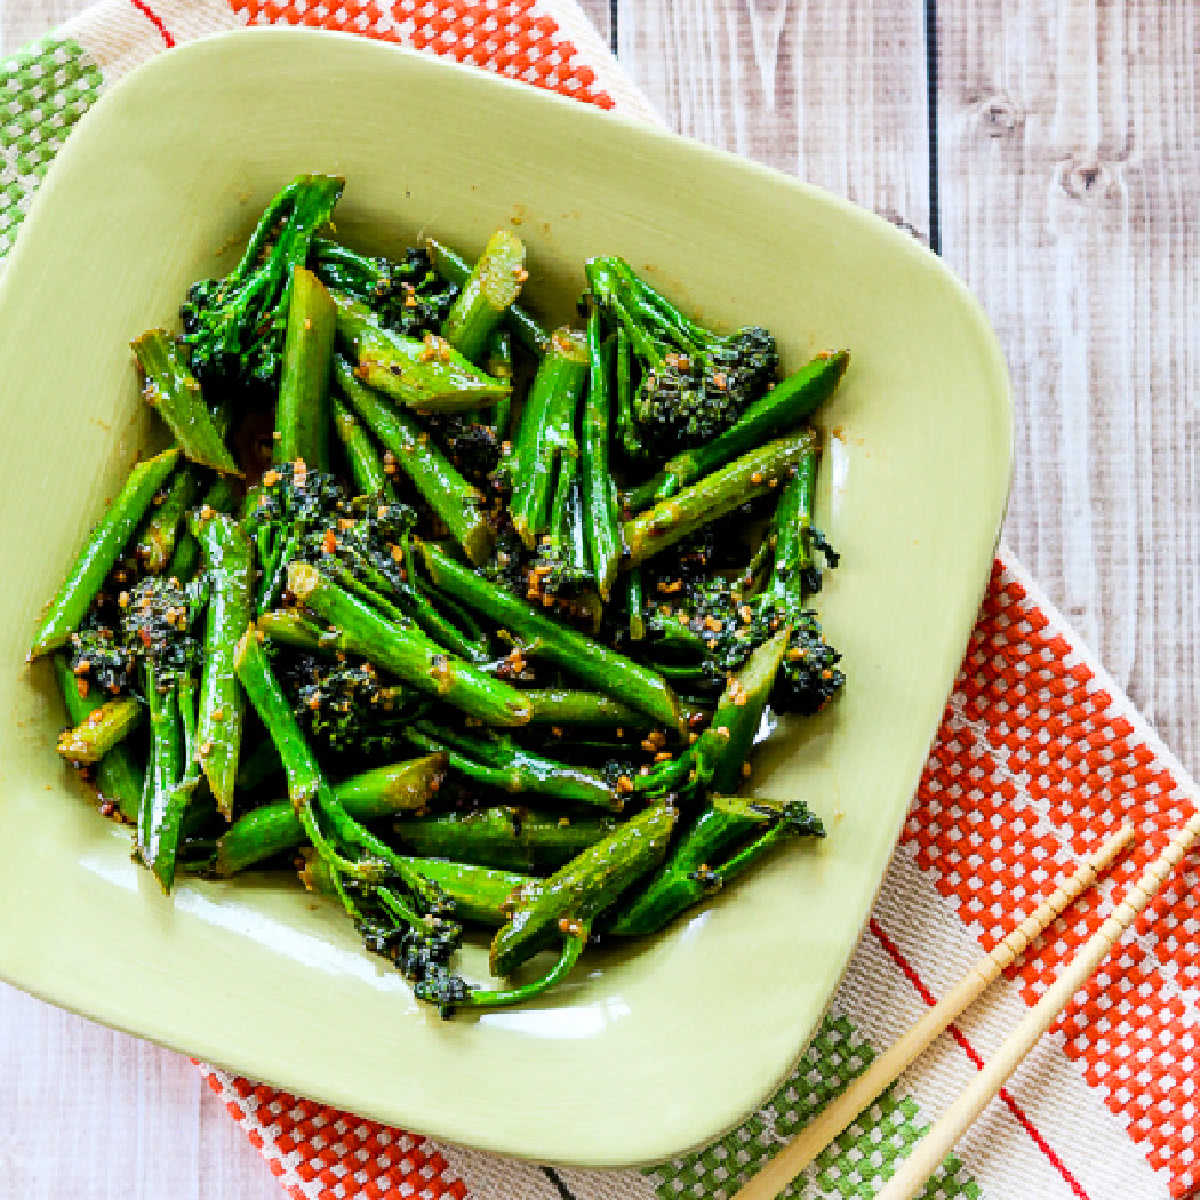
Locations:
(659, 1046)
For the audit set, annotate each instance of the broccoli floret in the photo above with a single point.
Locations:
(343, 707)
(702, 624)
(234, 328)
(158, 624)
(99, 657)
(693, 384)
(407, 296)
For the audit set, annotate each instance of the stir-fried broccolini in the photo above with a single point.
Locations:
(472, 623)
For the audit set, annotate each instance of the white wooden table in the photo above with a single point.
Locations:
(1048, 149)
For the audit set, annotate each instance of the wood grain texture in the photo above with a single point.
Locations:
(599, 12)
(1069, 183)
(98, 1115)
(831, 91)
(1067, 168)
(21, 21)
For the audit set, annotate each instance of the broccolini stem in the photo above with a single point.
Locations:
(727, 740)
(453, 268)
(159, 533)
(784, 407)
(429, 375)
(607, 670)
(635, 604)
(118, 777)
(711, 497)
(302, 413)
(504, 836)
(688, 876)
(623, 374)
(163, 799)
(476, 894)
(458, 504)
(791, 529)
(229, 562)
(572, 947)
(602, 525)
(186, 558)
(274, 828)
(100, 731)
(547, 434)
(584, 888)
(365, 464)
(307, 790)
(406, 652)
(172, 391)
(264, 693)
(717, 756)
(489, 291)
(497, 762)
(101, 550)
(292, 628)
(499, 363)
(568, 706)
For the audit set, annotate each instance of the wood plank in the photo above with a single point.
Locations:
(831, 91)
(99, 1115)
(599, 13)
(1069, 182)
(21, 21)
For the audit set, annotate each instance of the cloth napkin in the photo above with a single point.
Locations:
(1037, 759)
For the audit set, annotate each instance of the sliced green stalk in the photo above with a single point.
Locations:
(607, 670)
(459, 505)
(505, 836)
(453, 268)
(626, 424)
(547, 433)
(100, 731)
(101, 551)
(429, 375)
(163, 525)
(370, 479)
(570, 706)
(489, 291)
(264, 693)
(602, 525)
(499, 363)
(406, 651)
(172, 391)
(229, 562)
(161, 812)
(498, 762)
(302, 414)
(689, 875)
(783, 408)
(476, 894)
(273, 829)
(583, 889)
(292, 628)
(709, 498)
(118, 775)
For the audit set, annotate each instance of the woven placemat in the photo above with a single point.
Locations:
(1038, 757)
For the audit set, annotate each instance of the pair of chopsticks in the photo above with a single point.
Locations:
(933, 1148)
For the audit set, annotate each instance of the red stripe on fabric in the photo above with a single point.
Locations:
(156, 21)
(1022, 1117)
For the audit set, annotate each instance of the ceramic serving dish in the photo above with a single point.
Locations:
(647, 1050)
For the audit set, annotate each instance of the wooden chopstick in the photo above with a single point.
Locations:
(883, 1071)
(933, 1148)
